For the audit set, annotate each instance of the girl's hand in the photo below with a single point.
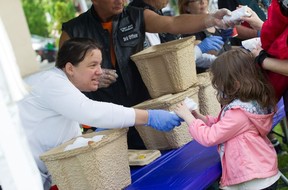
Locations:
(182, 111)
(254, 21)
(256, 51)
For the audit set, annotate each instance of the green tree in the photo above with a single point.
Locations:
(174, 6)
(35, 16)
(64, 11)
(37, 12)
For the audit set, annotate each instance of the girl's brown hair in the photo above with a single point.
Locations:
(236, 76)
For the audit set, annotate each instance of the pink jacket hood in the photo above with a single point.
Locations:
(263, 123)
(260, 117)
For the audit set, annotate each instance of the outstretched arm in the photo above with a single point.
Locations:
(185, 23)
(276, 65)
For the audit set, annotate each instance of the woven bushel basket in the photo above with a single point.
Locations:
(208, 103)
(167, 68)
(101, 165)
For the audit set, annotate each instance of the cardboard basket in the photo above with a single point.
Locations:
(176, 138)
(101, 165)
(208, 103)
(167, 68)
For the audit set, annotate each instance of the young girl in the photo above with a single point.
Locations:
(248, 158)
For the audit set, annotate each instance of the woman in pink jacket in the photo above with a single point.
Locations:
(248, 158)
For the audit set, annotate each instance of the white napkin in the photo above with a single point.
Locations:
(237, 14)
(81, 141)
(252, 43)
(190, 104)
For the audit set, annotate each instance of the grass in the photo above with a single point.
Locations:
(282, 160)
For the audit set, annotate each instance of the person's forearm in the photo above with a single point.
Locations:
(141, 117)
(206, 22)
(276, 65)
(245, 32)
(174, 25)
(198, 115)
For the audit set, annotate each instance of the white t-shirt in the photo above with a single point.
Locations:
(153, 38)
(54, 108)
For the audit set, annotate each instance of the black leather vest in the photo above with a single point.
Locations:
(164, 37)
(128, 37)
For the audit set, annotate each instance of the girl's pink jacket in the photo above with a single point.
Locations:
(248, 153)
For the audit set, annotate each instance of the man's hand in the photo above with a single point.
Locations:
(216, 19)
(108, 77)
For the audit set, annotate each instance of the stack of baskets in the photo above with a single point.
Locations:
(169, 73)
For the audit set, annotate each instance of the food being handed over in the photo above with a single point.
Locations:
(237, 14)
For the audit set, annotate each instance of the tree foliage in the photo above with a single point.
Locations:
(63, 16)
(35, 16)
(45, 17)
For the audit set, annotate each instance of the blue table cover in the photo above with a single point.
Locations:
(280, 114)
(192, 166)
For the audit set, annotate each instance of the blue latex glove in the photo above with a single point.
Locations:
(226, 34)
(163, 120)
(211, 43)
